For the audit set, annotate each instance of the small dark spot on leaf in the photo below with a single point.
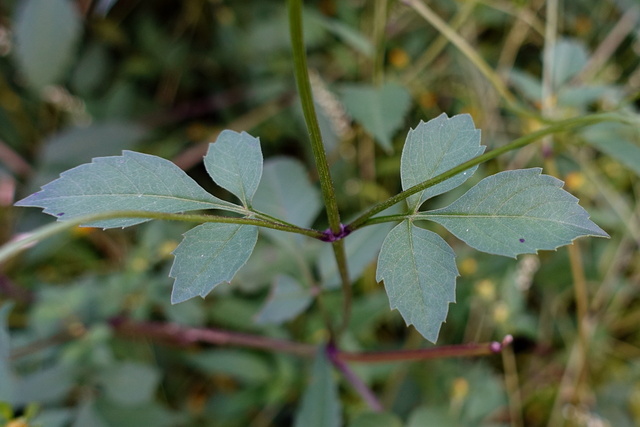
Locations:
(521, 240)
(60, 214)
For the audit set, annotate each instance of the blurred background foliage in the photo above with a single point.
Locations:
(81, 79)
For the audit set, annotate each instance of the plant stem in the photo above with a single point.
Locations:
(563, 125)
(319, 155)
(14, 247)
(355, 381)
(310, 118)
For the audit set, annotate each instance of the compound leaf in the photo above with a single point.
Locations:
(379, 110)
(234, 162)
(516, 212)
(320, 404)
(419, 273)
(288, 299)
(210, 254)
(435, 147)
(133, 181)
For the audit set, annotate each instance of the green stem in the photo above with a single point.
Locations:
(310, 118)
(326, 184)
(14, 247)
(563, 125)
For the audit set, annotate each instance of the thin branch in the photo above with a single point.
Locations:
(560, 126)
(14, 247)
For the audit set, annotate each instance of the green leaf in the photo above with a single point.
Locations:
(613, 140)
(569, 58)
(435, 147)
(245, 366)
(133, 181)
(380, 111)
(46, 33)
(320, 404)
(130, 383)
(288, 299)
(286, 192)
(6, 386)
(516, 212)
(210, 254)
(376, 419)
(234, 162)
(419, 273)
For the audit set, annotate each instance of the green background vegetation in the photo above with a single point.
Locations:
(165, 77)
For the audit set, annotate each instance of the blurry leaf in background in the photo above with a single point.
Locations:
(320, 405)
(569, 57)
(234, 162)
(45, 386)
(130, 383)
(242, 365)
(516, 212)
(616, 141)
(435, 416)
(419, 273)
(435, 147)
(350, 36)
(208, 255)
(286, 300)
(88, 416)
(379, 419)
(46, 33)
(6, 389)
(133, 181)
(381, 111)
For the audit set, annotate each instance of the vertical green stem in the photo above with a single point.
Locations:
(326, 184)
(308, 108)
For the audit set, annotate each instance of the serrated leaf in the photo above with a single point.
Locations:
(380, 111)
(210, 254)
(46, 33)
(133, 181)
(435, 147)
(234, 162)
(287, 299)
(320, 404)
(419, 273)
(516, 212)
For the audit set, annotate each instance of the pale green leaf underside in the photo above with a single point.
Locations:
(287, 193)
(320, 405)
(234, 162)
(288, 299)
(210, 254)
(435, 147)
(419, 273)
(46, 33)
(380, 111)
(516, 212)
(133, 181)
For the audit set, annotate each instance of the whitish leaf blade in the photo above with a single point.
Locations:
(46, 33)
(435, 147)
(516, 212)
(234, 162)
(380, 111)
(287, 299)
(287, 193)
(208, 255)
(320, 403)
(419, 273)
(133, 181)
